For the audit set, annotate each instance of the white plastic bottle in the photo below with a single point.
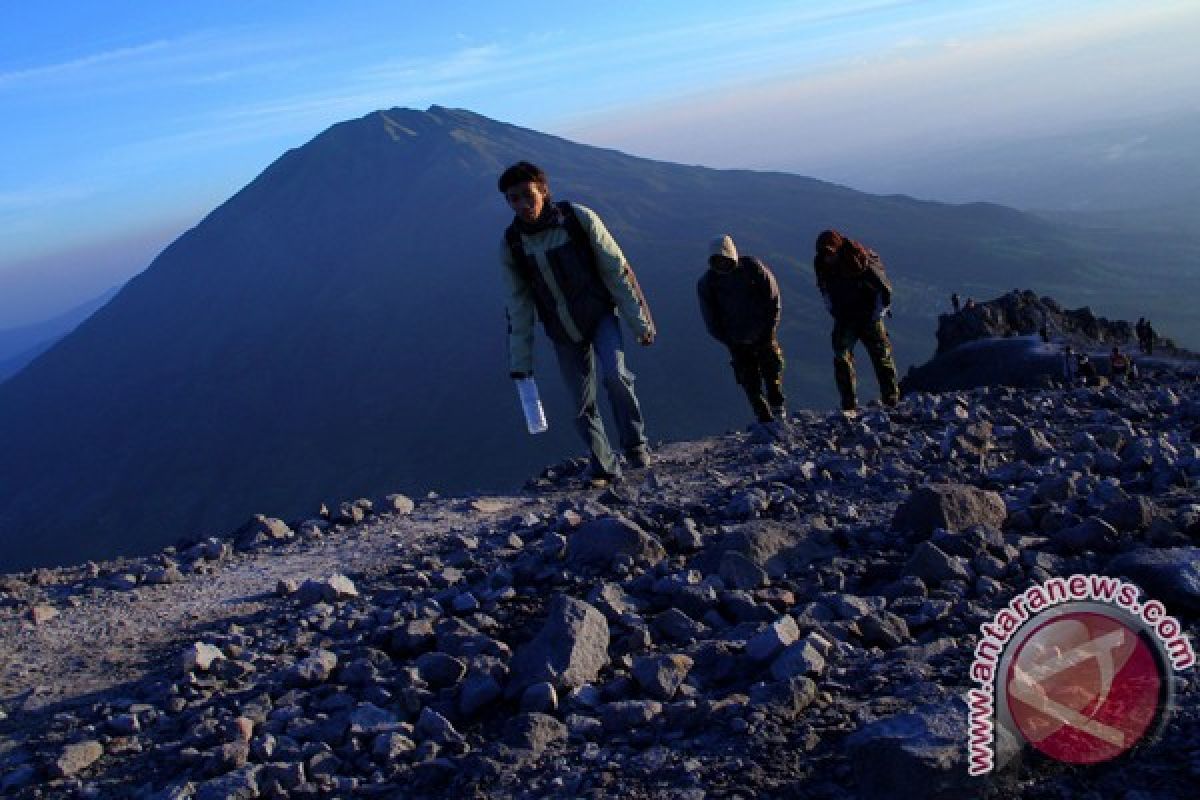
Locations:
(531, 404)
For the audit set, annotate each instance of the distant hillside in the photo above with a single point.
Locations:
(22, 344)
(337, 329)
(1137, 163)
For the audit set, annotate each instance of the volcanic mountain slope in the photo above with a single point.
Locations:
(336, 328)
(785, 613)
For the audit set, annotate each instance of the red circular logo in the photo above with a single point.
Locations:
(1084, 687)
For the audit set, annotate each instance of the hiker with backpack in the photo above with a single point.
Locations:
(740, 303)
(562, 265)
(858, 296)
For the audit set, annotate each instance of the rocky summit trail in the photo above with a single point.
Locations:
(785, 612)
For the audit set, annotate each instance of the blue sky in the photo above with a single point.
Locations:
(125, 122)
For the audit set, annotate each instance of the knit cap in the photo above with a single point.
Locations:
(723, 246)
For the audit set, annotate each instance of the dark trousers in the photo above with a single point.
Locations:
(874, 337)
(758, 369)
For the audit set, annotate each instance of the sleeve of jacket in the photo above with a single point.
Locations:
(615, 272)
(773, 301)
(884, 286)
(520, 310)
(819, 271)
(708, 310)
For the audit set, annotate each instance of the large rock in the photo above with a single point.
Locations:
(915, 756)
(950, 506)
(770, 545)
(75, 758)
(1170, 575)
(598, 541)
(569, 651)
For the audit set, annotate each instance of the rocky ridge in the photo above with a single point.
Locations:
(771, 613)
(1000, 342)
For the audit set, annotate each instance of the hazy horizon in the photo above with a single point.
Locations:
(137, 121)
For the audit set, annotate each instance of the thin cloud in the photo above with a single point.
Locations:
(178, 61)
(120, 55)
(42, 197)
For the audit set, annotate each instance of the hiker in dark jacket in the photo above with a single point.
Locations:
(740, 302)
(858, 296)
(561, 264)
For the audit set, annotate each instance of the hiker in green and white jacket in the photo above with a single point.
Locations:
(561, 263)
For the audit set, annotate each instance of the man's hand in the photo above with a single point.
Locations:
(520, 376)
(646, 339)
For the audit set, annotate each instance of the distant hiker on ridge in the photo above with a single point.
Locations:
(1119, 365)
(740, 302)
(858, 296)
(561, 263)
(1070, 367)
(954, 301)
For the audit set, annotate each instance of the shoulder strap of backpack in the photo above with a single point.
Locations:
(576, 232)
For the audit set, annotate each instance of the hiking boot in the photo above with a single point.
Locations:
(600, 480)
(780, 414)
(638, 457)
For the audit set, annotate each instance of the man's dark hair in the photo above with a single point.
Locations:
(521, 172)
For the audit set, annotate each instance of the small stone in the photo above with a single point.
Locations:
(739, 572)
(541, 698)
(40, 615)
(398, 504)
(389, 746)
(199, 657)
(441, 670)
(687, 536)
(677, 626)
(775, 637)
(434, 727)
(626, 715)
(660, 676)
(314, 669)
(239, 785)
(531, 731)
(884, 629)
(334, 588)
(932, 564)
(367, 718)
(479, 690)
(797, 660)
(75, 758)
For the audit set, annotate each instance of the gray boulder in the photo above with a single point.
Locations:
(1170, 575)
(915, 756)
(569, 651)
(597, 542)
(950, 506)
